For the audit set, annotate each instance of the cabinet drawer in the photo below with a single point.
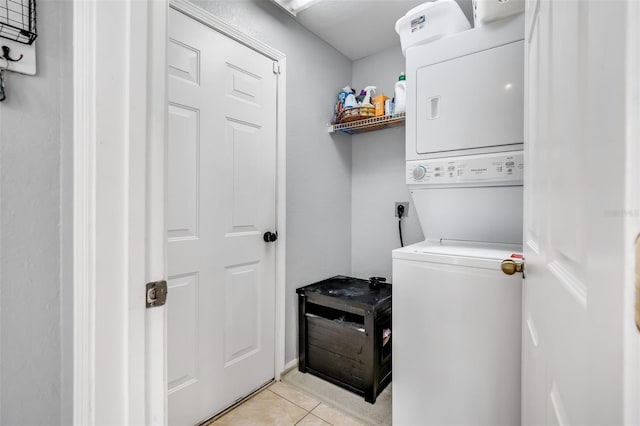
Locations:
(340, 338)
(339, 367)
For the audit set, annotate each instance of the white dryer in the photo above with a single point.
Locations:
(465, 92)
(465, 102)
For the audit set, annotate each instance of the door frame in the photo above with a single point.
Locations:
(631, 332)
(118, 128)
(119, 232)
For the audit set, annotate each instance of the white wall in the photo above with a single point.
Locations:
(35, 250)
(318, 165)
(378, 181)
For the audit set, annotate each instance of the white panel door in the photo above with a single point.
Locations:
(221, 200)
(574, 213)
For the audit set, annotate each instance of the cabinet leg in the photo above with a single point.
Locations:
(302, 333)
(370, 395)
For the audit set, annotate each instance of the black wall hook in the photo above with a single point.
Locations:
(6, 55)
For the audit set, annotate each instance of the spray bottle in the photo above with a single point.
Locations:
(369, 90)
(350, 100)
(342, 95)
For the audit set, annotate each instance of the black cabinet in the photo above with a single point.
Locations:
(345, 334)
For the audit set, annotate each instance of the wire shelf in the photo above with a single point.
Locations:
(369, 124)
(18, 20)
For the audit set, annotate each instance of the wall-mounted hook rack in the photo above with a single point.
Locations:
(15, 57)
(17, 38)
(18, 57)
(6, 55)
(18, 20)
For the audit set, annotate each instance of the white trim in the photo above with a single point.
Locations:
(157, 112)
(203, 16)
(290, 366)
(281, 218)
(631, 372)
(84, 143)
(206, 18)
(138, 213)
(110, 211)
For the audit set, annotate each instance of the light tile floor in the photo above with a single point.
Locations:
(284, 405)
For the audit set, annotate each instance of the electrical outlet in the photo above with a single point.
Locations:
(406, 208)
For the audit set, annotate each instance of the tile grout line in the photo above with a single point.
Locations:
(291, 402)
(317, 417)
(304, 417)
(317, 405)
(235, 405)
(308, 411)
(358, 417)
(326, 421)
(287, 399)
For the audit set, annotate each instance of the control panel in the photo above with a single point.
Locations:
(494, 169)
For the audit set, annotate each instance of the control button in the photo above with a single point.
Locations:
(419, 172)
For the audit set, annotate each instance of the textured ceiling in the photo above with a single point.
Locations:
(359, 28)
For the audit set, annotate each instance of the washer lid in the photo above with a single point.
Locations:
(478, 255)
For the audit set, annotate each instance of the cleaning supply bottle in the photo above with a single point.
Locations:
(342, 95)
(350, 100)
(400, 94)
(368, 92)
(379, 104)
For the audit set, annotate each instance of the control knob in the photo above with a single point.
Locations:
(419, 172)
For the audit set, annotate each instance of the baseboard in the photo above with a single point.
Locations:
(289, 366)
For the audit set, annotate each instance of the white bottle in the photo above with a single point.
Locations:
(350, 101)
(369, 90)
(400, 94)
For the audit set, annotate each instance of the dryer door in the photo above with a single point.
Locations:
(474, 101)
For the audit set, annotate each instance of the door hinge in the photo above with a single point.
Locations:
(156, 293)
(276, 67)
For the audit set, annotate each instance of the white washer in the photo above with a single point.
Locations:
(456, 315)
(456, 335)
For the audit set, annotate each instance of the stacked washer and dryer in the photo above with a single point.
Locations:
(456, 314)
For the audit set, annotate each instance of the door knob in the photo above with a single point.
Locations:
(510, 267)
(270, 237)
